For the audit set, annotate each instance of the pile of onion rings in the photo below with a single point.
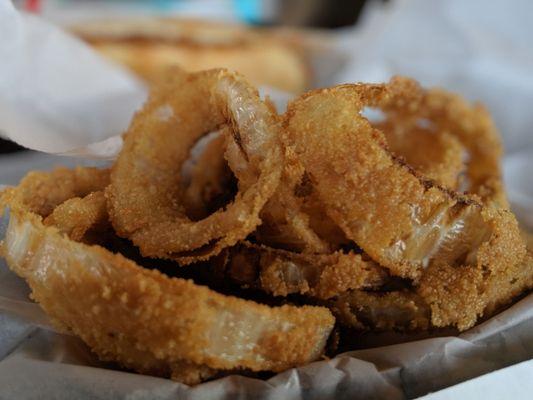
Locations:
(226, 237)
(141, 318)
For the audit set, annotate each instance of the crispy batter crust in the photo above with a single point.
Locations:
(76, 216)
(447, 113)
(437, 156)
(133, 315)
(41, 192)
(321, 276)
(284, 222)
(380, 203)
(145, 199)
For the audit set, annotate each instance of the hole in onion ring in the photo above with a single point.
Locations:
(147, 171)
(207, 180)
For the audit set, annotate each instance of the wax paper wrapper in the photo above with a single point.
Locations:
(58, 97)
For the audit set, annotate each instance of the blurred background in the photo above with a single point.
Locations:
(310, 15)
(479, 49)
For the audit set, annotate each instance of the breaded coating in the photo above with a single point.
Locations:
(43, 191)
(141, 318)
(382, 311)
(321, 276)
(439, 157)
(401, 220)
(76, 216)
(447, 113)
(145, 195)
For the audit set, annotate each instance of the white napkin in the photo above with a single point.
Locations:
(56, 94)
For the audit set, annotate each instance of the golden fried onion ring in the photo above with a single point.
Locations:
(77, 216)
(148, 321)
(446, 113)
(41, 192)
(145, 202)
(433, 131)
(401, 220)
(435, 155)
(281, 272)
(395, 310)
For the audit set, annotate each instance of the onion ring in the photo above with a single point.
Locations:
(452, 124)
(437, 156)
(147, 321)
(41, 192)
(472, 125)
(401, 220)
(281, 272)
(209, 180)
(145, 202)
(396, 310)
(77, 216)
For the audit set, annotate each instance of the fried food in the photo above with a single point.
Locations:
(448, 114)
(41, 192)
(208, 179)
(395, 310)
(148, 321)
(151, 45)
(77, 216)
(282, 272)
(145, 199)
(393, 225)
(401, 220)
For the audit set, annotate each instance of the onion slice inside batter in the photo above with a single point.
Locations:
(281, 272)
(145, 197)
(146, 320)
(401, 220)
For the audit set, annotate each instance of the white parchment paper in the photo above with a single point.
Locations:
(57, 96)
